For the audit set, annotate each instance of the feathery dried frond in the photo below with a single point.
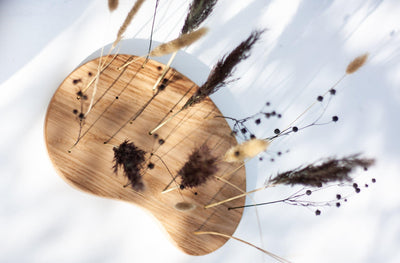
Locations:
(128, 20)
(112, 5)
(331, 170)
(245, 150)
(200, 167)
(199, 10)
(178, 43)
(224, 69)
(131, 158)
(356, 64)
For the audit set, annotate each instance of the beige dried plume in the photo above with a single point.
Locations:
(245, 150)
(127, 21)
(356, 64)
(178, 43)
(112, 5)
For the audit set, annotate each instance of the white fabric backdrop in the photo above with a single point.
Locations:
(305, 50)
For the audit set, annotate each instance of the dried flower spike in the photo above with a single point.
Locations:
(356, 64)
(200, 167)
(131, 158)
(199, 10)
(331, 170)
(245, 150)
(112, 5)
(224, 69)
(178, 43)
(127, 21)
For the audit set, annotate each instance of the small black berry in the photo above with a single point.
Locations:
(252, 136)
(358, 190)
(243, 130)
(337, 204)
(308, 192)
(295, 129)
(317, 212)
(161, 141)
(332, 91)
(338, 196)
(258, 121)
(75, 111)
(277, 131)
(335, 118)
(320, 98)
(373, 180)
(150, 166)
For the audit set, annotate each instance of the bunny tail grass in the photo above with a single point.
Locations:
(356, 64)
(199, 10)
(178, 43)
(127, 21)
(276, 257)
(245, 150)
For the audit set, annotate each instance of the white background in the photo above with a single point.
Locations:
(305, 50)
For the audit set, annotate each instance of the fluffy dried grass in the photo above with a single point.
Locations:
(356, 64)
(127, 21)
(245, 150)
(178, 43)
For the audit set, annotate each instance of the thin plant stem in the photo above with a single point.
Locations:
(235, 197)
(165, 70)
(165, 122)
(278, 258)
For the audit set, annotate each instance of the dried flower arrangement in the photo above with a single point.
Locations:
(201, 174)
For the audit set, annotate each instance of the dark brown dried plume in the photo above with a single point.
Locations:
(131, 159)
(224, 69)
(331, 170)
(200, 167)
(199, 10)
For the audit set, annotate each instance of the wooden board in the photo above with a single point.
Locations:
(88, 165)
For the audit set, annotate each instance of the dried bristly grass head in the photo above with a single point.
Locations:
(131, 159)
(199, 10)
(200, 166)
(246, 150)
(127, 21)
(178, 43)
(316, 175)
(112, 5)
(224, 68)
(356, 64)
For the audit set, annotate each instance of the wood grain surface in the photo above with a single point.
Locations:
(88, 165)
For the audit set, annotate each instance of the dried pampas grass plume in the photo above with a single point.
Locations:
(199, 168)
(356, 64)
(178, 43)
(199, 10)
(127, 21)
(245, 150)
(316, 175)
(112, 5)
